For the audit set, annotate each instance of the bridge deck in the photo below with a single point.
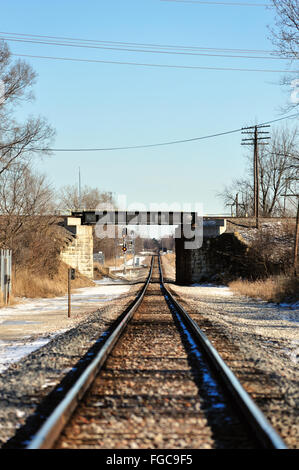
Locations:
(142, 218)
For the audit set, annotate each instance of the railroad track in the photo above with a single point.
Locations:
(156, 382)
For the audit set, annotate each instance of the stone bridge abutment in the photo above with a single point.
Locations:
(79, 253)
(199, 264)
(193, 265)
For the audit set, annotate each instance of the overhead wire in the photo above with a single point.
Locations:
(155, 45)
(151, 51)
(118, 45)
(131, 147)
(239, 4)
(144, 64)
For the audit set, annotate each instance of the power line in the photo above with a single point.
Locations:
(140, 64)
(154, 45)
(239, 4)
(172, 52)
(194, 139)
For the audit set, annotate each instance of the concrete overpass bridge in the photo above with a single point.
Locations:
(91, 217)
(191, 231)
(222, 243)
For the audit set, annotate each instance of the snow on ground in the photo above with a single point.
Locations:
(141, 259)
(294, 306)
(129, 262)
(31, 323)
(212, 289)
(104, 290)
(13, 352)
(268, 319)
(86, 295)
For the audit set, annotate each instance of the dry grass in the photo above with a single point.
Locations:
(111, 262)
(170, 257)
(31, 285)
(12, 300)
(168, 263)
(99, 271)
(273, 289)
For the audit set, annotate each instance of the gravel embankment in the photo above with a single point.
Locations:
(24, 384)
(259, 342)
(152, 395)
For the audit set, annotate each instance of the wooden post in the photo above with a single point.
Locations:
(255, 133)
(256, 178)
(296, 236)
(237, 205)
(296, 239)
(2, 274)
(125, 261)
(69, 292)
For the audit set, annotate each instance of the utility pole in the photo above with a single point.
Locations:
(69, 293)
(80, 189)
(133, 246)
(235, 203)
(296, 238)
(296, 235)
(124, 248)
(256, 139)
(256, 179)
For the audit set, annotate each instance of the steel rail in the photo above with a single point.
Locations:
(54, 424)
(259, 424)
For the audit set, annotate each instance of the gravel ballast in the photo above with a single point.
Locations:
(259, 342)
(155, 392)
(25, 383)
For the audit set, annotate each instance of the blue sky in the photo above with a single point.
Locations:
(108, 105)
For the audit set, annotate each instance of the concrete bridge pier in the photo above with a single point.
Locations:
(79, 253)
(196, 264)
(184, 269)
(195, 259)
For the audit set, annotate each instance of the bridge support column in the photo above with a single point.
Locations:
(199, 264)
(79, 254)
(183, 263)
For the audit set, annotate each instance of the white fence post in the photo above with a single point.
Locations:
(5, 274)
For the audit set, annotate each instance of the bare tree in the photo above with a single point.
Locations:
(26, 221)
(286, 34)
(19, 142)
(278, 175)
(285, 37)
(90, 198)
(168, 242)
(243, 189)
(138, 244)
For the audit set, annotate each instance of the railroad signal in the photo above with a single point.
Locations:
(124, 248)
